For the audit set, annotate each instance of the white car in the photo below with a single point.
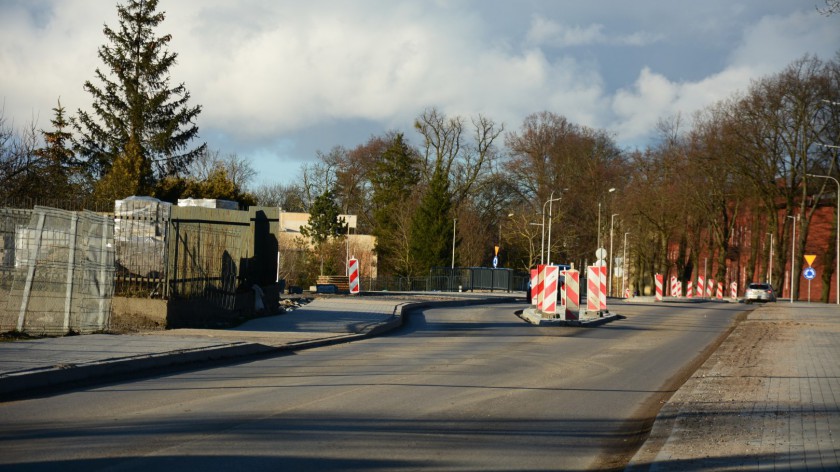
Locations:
(759, 293)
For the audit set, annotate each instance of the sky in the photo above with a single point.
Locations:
(281, 80)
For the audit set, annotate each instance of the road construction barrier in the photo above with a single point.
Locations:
(561, 295)
(719, 294)
(701, 286)
(353, 274)
(676, 288)
(659, 278)
(571, 293)
(593, 288)
(709, 288)
(540, 286)
(627, 293)
(689, 289)
(550, 279)
(602, 295)
(534, 281)
(733, 290)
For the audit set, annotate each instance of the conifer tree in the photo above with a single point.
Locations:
(141, 126)
(431, 228)
(56, 168)
(395, 175)
(324, 223)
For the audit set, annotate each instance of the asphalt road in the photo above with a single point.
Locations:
(456, 389)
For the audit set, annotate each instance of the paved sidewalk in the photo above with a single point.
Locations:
(767, 399)
(27, 366)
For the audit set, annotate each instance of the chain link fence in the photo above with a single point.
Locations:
(56, 271)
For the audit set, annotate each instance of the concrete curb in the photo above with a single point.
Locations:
(18, 383)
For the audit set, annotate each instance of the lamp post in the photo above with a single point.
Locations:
(542, 242)
(770, 274)
(624, 265)
(611, 190)
(548, 247)
(837, 231)
(454, 221)
(792, 255)
(610, 256)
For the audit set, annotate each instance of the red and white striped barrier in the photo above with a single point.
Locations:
(572, 294)
(353, 272)
(689, 289)
(733, 290)
(550, 283)
(719, 294)
(659, 286)
(534, 281)
(562, 291)
(540, 286)
(709, 288)
(603, 293)
(593, 288)
(701, 286)
(675, 286)
(627, 293)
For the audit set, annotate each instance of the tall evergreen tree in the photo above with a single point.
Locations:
(56, 170)
(395, 175)
(324, 223)
(431, 228)
(140, 127)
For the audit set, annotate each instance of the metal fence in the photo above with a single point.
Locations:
(56, 271)
(445, 279)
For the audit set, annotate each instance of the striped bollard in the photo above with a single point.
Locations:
(659, 286)
(719, 294)
(572, 295)
(689, 289)
(701, 286)
(540, 286)
(534, 281)
(709, 288)
(549, 304)
(602, 299)
(733, 290)
(675, 286)
(353, 271)
(593, 286)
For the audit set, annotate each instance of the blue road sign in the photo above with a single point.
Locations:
(495, 261)
(809, 273)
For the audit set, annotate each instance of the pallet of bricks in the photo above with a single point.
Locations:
(341, 284)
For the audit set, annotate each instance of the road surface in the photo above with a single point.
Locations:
(455, 389)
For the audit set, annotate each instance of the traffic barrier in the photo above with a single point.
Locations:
(659, 283)
(733, 290)
(534, 280)
(572, 295)
(593, 287)
(540, 286)
(719, 291)
(602, 298)
(689, 289)
(701, 286)
(709, 287)
(675, 286)
(627, 293)
(562, 290)
(353, 274)
(549, 304)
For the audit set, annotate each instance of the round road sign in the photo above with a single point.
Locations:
(809, 273)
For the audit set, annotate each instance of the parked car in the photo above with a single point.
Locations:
(759, 293)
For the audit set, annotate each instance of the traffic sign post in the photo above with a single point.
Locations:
(809, 273)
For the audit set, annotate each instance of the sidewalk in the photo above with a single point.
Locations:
(27, 366)
(767, 399)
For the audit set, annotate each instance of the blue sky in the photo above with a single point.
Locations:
(280, 80)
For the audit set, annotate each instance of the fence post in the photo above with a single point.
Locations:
(102, 288)
(30, 273)
(71, 260)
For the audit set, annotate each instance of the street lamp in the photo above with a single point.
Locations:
(624, 265)
(611, 190)
(610, 257)
(837, 231)
(548, 248)
(770, 275)
(454, 221)
(542, 241)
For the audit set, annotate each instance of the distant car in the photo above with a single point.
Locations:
(759, 293)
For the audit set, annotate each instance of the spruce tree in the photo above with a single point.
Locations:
(56, 169)
(141, 126)
(431, 228)
(324, 223)
(394, 177)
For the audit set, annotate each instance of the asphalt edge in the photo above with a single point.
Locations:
(15, 386)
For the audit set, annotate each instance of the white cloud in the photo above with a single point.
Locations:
(547, 32)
